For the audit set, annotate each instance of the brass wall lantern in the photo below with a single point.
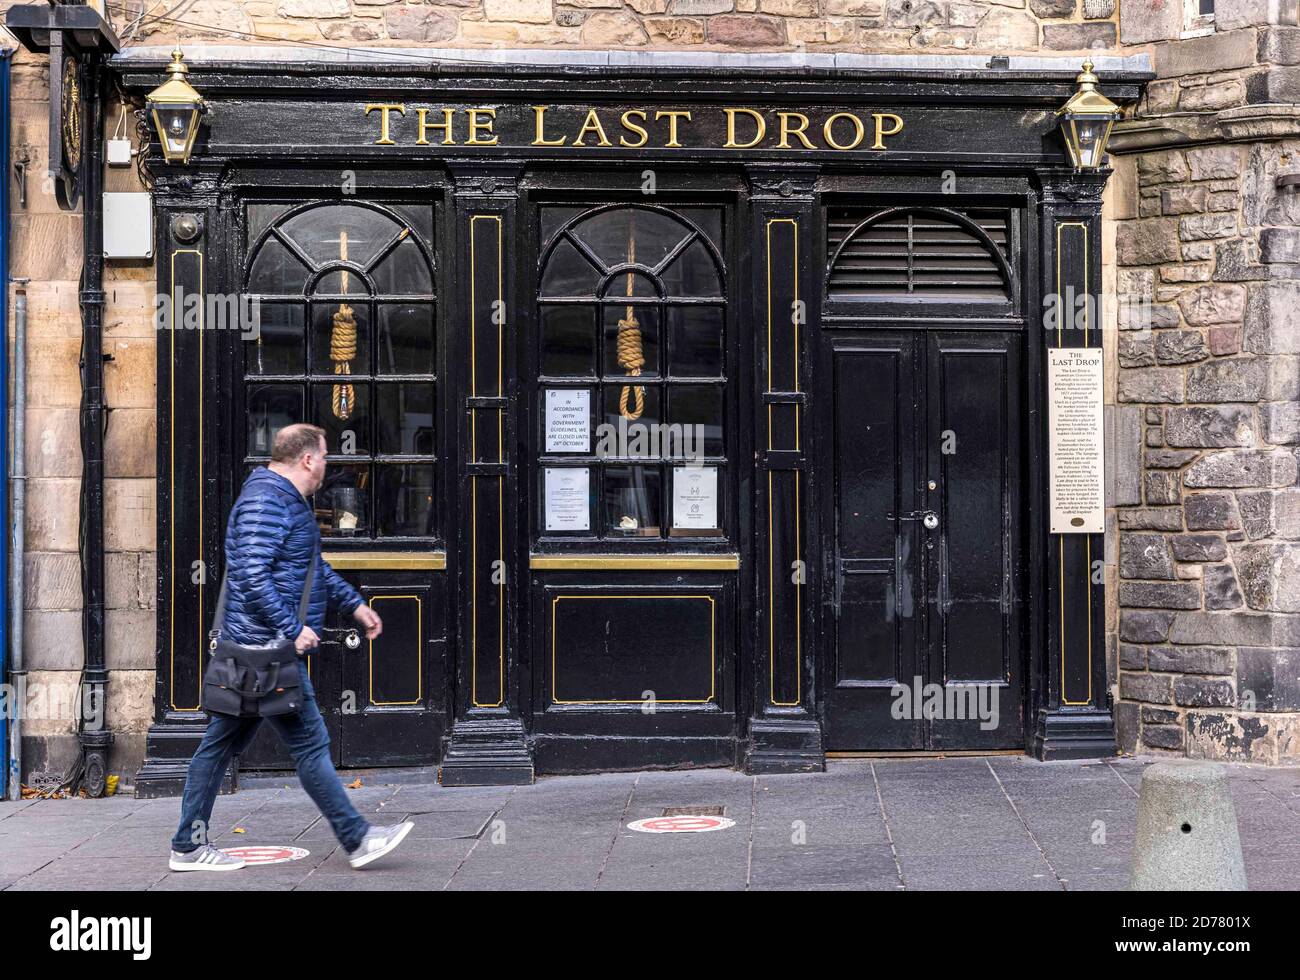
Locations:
(176, 108)
(1086, 121)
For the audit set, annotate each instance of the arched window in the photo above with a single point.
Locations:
(345, 339)
(920, 255)
(632, 312)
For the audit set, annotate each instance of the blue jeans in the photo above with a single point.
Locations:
(303, 733)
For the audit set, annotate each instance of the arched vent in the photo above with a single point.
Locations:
(920, 255)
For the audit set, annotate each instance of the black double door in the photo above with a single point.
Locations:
(921, 456)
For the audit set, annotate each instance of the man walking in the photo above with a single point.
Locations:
(271, 541)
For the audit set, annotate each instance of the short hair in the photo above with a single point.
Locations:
(293, 441)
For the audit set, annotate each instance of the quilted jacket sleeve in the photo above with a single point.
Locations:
(342, 596)
(259, 537)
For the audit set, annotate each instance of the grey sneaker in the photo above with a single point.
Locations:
(378, 842)
(205, 858)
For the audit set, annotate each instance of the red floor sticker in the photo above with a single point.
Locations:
(680, 825)
(267, 854)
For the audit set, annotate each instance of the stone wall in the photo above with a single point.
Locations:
(1207, 423)
(46, 249)
(873, 26)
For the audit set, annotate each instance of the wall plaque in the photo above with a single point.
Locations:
(1076, 440)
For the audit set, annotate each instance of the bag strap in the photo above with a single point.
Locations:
(219, 617)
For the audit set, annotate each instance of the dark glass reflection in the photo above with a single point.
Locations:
(404, 414)
(278, 346)
(568, 341)
(405, 344)
(404, 499)
(270, 409)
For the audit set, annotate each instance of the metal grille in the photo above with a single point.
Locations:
(711, 810)
(919, 256)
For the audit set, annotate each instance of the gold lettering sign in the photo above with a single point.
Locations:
(598, 127)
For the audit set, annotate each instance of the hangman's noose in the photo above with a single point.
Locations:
(343, 344)
(628, 345)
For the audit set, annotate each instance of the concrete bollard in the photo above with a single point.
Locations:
(1186, 831)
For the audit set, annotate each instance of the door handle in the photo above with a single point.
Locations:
(928, 518)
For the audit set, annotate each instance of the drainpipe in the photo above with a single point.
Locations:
(18, 494)
(92, 727)
(10, 728)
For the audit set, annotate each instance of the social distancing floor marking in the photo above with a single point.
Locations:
(267, 853)
(680, 825)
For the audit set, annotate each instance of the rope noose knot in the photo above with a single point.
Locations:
(630, 358)
(343, 348)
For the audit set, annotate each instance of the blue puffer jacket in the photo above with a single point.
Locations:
(271, 537)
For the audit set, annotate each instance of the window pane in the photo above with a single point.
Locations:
(406, 339)
(696, 349)
(276, 270)
(260, 217)
(405, 418)
(568, 273)
(698, 407)
(341, 231)
(342, 504)
(341, 337)
(630, 284)
(403, 271)
(709, 221)
(418, 217)
(631, 235)
(568, 341)
(693, 273)
(631, 340)
(278, 346)
(404, 500)
(631, 505)
(270, 409)
(635, 437)
(343, 411)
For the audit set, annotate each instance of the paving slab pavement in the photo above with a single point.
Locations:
(998, 822)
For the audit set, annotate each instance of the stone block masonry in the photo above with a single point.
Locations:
(1207, 387)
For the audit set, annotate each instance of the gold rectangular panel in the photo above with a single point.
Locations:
(677, 563)
(386, 560)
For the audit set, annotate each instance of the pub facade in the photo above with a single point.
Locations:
(692, 408)
(675, 413)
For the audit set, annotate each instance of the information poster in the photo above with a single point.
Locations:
(568, 420)
(567, 493)
(1076, 440)
(695, 497)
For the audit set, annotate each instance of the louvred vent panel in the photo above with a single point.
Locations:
(918, 256)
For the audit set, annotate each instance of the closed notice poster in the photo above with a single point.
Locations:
(567, 507)
(568, 418)
(1076, 440)
(695, 497)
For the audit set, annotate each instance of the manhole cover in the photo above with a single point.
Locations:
(267, 854)
(680, 825)
(693, 811)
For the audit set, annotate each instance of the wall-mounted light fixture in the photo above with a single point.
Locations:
(176, 108)
(1086, 121)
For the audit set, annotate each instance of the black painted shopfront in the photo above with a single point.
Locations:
(675, 415)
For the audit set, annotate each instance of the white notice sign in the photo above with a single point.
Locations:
(568, 420)
(1076, 440)
(567, 490)
(695, 496)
